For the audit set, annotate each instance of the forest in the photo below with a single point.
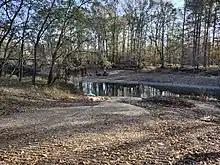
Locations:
(60, 35)
(109, 82)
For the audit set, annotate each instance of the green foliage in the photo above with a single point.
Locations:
(103, 61)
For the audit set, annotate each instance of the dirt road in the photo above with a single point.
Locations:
(110, 132)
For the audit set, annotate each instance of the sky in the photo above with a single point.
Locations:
(178, 3)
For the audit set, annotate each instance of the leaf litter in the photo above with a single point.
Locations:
(173, 134)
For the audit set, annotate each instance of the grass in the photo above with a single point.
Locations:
(15, 96)
(13, 87)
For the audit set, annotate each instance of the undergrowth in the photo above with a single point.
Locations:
(16, 96)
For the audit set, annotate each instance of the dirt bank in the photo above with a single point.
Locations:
(166, 77)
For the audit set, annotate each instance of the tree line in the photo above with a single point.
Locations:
(61, 35)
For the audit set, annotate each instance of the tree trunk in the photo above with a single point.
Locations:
(194, 42)
(213, 36)
(35, 64)
(5, 56)
(131, 40)
(198, 42)
(123, 43)
(128, 43)
(50, 76)
(162, 43)
(206, 36)
(21, 59)
(183, 35)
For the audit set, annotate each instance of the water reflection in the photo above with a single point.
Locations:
(121, 90)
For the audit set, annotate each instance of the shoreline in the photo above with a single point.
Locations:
(171, 87)
(166, 77)
(151, 83)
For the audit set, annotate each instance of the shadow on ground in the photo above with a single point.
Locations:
(37, 125)
(198, 157)
(106, 132)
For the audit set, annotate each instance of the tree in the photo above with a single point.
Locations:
(10, 19)
(183, 34)
(66, 36)
(23, 36)
(42, 23)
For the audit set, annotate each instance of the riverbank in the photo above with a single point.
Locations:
(20, 97)
(173, 82)
(165, 76)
